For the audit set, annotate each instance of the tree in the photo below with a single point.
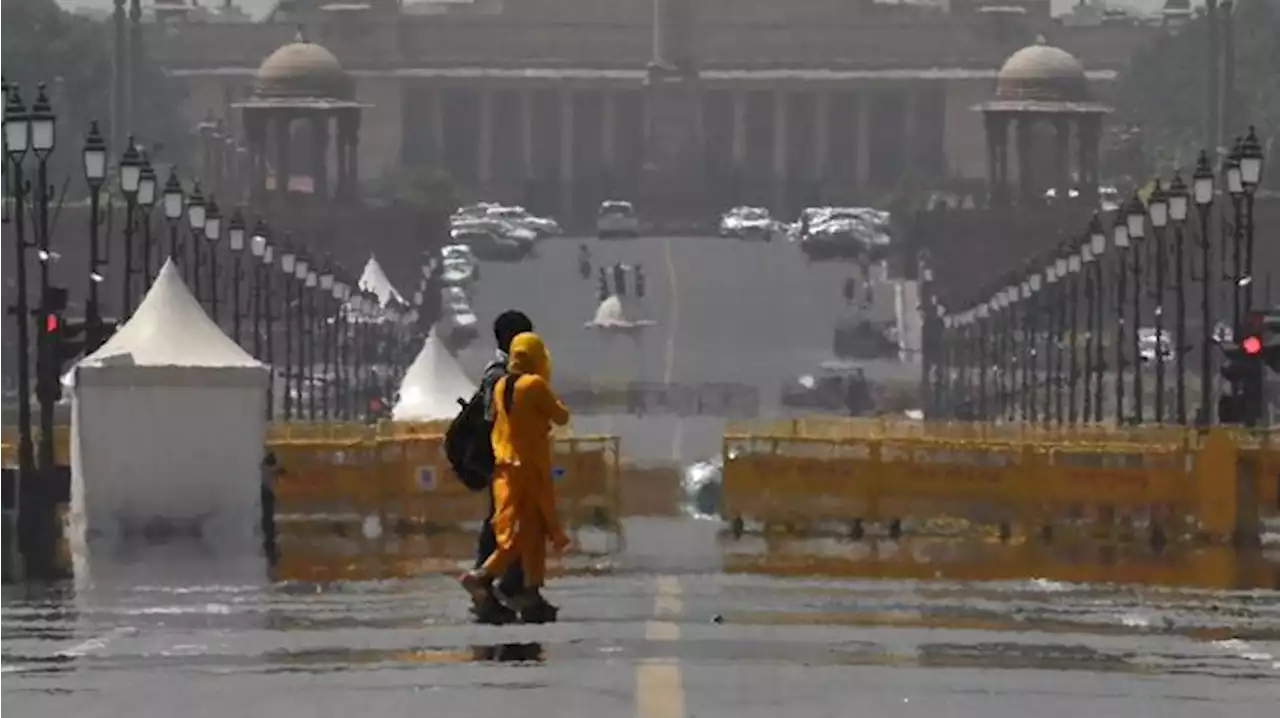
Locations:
(73, 56)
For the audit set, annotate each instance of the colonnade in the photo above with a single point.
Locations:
(567, 148)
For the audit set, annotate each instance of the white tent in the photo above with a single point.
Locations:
(168, 425)
(432, 385)
(615, 315)
(374, 279)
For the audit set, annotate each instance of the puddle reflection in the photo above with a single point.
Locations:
(1085, 562)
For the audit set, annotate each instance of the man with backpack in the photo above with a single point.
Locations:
(469, 451)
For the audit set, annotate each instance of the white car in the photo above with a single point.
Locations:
(457, 272)
(499, 227)
(520, 217)
(748, 223)
(617, 219)
(458, 252)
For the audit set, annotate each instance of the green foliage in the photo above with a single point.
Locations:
(1164, 90)
(73, 56)
(425, 188)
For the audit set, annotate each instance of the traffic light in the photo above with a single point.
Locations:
(1242, 368)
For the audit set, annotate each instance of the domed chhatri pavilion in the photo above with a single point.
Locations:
(1042, 85)
(302, 84)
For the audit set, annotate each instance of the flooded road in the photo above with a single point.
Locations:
(665, 628)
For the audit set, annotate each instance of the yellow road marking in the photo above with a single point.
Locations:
(659, 685)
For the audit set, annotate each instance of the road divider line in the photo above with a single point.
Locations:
(659, 683)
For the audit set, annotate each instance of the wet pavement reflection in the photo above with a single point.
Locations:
(683, 622)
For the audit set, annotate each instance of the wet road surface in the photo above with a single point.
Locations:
(658, 630)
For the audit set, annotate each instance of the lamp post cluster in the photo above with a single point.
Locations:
(1071, 336)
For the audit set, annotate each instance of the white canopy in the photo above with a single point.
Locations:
(374, 279)
(432, 385)
(613, 313)
(170, 329)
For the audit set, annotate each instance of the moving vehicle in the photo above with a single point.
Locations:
(827, 389)
(833, 232)
(458, 266)
(486, 245)
(499, 227)
(519, 216)
(1153, 343)
(748, 223)
(617, 219)
(459, 319)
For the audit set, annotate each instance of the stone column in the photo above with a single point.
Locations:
(255, 130)
(1026, 174)
(484, 169)
(608, 137)
(1062, 156)
(1089, 134)
(437, 125)
(739, 101)
(284, 165)
(864, 139)
(821, 135)
(781, 99)
(566, 153)
(526, 131)
(320, 155)
(910, 132)
(997, 158)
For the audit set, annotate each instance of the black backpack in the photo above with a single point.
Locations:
(467, 445)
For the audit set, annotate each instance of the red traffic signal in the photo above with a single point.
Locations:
(1252, 345)
(51, 323)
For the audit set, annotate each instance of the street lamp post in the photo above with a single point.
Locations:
(1158, 209)
(1235, 189)
(341, 387)
(1120, 238)
(1202, 192)
(1090, 330)
(146, 200)
(173, 212)
(310, 282)
(330, 324)
(196, 219)
(1097, 246)
(1136, 219)
(95, 173)
(1052, 345)
(235, 240)
(1251, 159)
(257, 248)
(268, 257)
(288, 261)
(17, 139)
(212, 233)
(43, 139)
(1073, 366)
(130, 178)
(1178, 201)
(303, 377)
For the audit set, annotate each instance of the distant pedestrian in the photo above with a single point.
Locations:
(620, 279)
(639, 272)
(850, 290)
(270, 472)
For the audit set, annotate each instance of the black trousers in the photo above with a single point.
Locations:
(268, 520)
(512, 582)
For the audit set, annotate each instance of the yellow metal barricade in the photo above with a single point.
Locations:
(809, 472)
(334, 478)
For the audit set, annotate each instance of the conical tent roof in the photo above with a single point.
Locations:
(374, 279)
(170, 328)
(432, 385)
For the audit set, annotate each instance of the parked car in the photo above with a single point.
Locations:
(500, 227)
(748, 223)
(486, 245)
(520, 217)
(617, 219)
(829, 232)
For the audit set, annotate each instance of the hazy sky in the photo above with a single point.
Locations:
(258, 8)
